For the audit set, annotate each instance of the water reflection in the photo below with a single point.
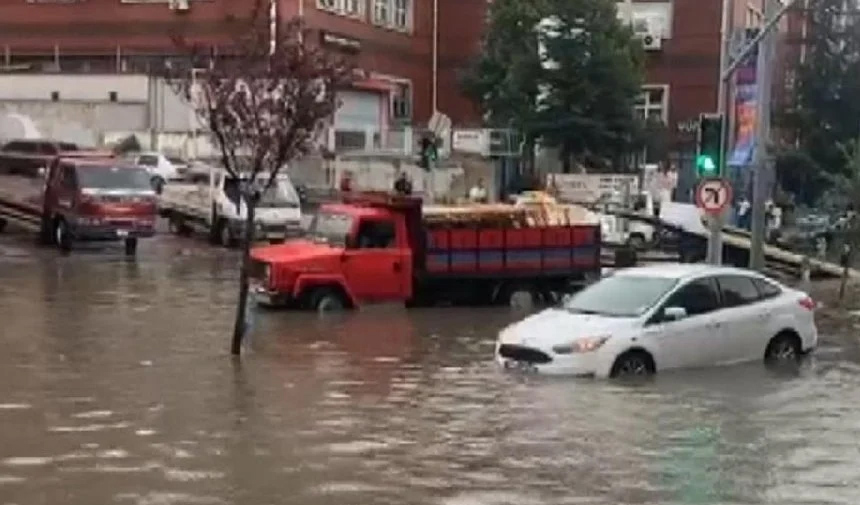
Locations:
(116, 387)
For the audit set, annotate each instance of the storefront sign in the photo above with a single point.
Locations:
(340, 41)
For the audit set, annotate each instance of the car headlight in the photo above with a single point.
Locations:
(581, 345)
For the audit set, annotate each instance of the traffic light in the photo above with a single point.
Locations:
(709, 156)
(429, 153)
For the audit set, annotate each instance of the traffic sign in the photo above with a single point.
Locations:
(713, 195)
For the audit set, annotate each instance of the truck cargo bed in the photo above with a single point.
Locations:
(21, 199)
(539, 251)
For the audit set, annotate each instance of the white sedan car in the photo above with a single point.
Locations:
(641, 320)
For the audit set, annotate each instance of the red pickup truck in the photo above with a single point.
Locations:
(383, 250)
(83, 196)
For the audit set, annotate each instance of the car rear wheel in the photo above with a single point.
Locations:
(783, 348)
(177, 226)
(633, 364)
(157, 183)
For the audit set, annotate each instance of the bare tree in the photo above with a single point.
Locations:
(265, 97)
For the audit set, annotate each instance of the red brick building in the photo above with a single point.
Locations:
(413, 58)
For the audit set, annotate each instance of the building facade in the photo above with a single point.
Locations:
(412, 59)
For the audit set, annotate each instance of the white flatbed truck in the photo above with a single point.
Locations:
(213, 206)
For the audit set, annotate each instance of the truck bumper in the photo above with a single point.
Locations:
(111, 232)
(269, 298)
(268, 232)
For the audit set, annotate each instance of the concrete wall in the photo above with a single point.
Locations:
(87, 108)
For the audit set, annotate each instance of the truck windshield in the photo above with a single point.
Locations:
(107, 177)
(279, 194)
(331, 228)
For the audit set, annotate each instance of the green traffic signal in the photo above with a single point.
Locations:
(705, 165)
(710, 145)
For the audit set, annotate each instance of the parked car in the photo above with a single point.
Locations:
(649, 319)
(26, 156)
(161, 167)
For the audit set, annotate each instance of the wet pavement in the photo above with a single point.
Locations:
(115, 387)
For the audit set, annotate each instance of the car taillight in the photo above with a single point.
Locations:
(807, 303)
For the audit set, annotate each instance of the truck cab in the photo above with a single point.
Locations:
(351, 254)
(92, 198)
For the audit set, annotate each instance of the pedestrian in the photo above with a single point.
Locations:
(478, 193)
(346, 182)
(743, 219)
(402, 184)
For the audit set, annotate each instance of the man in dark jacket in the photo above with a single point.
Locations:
(402, 185)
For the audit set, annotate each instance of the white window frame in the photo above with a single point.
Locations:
(351, 8)
(643, 110)
(401, 14)
(394, 14)
(381, 12)
(409, 100)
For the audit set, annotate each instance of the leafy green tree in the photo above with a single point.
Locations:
(565, 72)
(826, 112)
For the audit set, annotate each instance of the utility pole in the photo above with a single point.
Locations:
(764, 41)
(715, 224)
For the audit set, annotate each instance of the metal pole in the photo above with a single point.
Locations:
(762, 160)
(751, 45)
(715, 239)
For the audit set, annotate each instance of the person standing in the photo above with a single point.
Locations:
(478, 193)
(743, 219)
(402, 185)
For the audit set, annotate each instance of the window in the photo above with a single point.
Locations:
(381, 11)
(737, 291)
(148, 160)
(697, 297)
(401, 14)
(68, 177)
(376, 235)
(767, 289)
(653, 103)
(348, 140)
(395, 14)
(620, 296)
(401, 102)
(345, 7)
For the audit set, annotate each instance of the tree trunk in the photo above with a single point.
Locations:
(240, 325)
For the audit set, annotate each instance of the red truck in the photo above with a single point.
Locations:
(83, 196)
(382, 249)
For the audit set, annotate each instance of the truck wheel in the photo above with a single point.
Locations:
(46, 231)
(177, 226)
(637, 242)
(131, 246)
(326, 300)
(62, 235)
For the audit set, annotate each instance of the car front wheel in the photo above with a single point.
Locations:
(633, 364)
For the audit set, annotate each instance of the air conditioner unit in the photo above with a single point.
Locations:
(180, 5)
(651, 41)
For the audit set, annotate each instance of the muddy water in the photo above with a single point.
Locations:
(115, 388)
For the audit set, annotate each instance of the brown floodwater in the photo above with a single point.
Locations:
(116, 387)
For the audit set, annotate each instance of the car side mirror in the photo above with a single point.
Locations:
(351, 242)
(674, 313)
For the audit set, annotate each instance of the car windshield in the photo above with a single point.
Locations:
(108, 177)
(331, 228)
(620, 296)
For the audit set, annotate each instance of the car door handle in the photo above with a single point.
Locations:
(714, 325)
(397, 266)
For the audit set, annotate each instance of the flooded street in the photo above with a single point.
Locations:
(116, 387)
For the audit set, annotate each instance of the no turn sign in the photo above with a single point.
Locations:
(713, 195)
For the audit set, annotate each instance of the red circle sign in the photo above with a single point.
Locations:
(713, 195)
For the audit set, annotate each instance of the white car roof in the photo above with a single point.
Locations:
(684, 271)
